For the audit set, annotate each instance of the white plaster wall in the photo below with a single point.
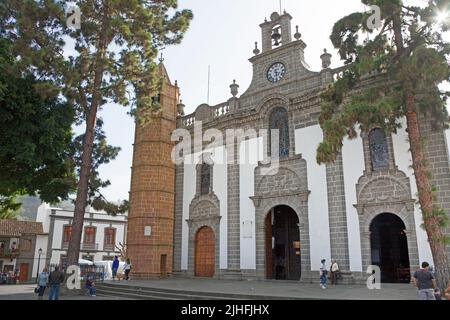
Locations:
(306, 142)
(41, 242)
(43, 215)
(58, 231)
(353, 162)
(56, 255)
(220, 188)
(250, 152)
(403, 160)
(189, 185)
(120, 234)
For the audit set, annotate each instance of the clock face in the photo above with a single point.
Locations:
(276, 72)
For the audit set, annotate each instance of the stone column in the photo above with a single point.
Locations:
(234, 230)
(178, 223)
(337, 214)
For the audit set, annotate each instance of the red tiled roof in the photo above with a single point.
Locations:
(17, 228)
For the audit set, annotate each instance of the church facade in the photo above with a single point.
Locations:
(226, 211)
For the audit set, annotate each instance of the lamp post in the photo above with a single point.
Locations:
(39, 262)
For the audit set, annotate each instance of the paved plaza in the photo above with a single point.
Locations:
(243, 289)
(277, 289)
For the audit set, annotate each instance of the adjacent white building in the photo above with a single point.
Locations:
(101, 235)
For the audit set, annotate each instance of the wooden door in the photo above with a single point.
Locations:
(205, 251)
(23, 272)
(163, 265)
(268, 246)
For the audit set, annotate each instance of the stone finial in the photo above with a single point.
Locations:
(256, 51)
(234, 88)
(180, 108)
(326, 59)
(297, 34)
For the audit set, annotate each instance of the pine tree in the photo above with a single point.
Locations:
(113, 61)
(409, 57)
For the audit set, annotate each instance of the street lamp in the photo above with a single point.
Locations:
(39, 261)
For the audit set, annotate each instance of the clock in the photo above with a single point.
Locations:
(276, 72)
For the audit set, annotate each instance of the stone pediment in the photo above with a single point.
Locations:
(381, 189)
(204, 207)
(287, 179)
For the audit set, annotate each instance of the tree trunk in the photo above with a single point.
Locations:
(82, 189)
(423, 181)
(88, 146)
(425, 192)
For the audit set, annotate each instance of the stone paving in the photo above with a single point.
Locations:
(281, 289)
(275, 289)
(26, 292)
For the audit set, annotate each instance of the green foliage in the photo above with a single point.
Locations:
(103, 153)
(35, 136)
(393, 73)
(385, 69)
(112, 60)
(9, 208)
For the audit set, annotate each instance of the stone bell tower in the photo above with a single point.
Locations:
(151, 216)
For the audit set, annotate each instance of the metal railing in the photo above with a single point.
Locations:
(89, 246)
(95, 272)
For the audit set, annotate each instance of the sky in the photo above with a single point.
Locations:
(222, 36)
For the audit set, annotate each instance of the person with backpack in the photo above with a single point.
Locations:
(55, 279)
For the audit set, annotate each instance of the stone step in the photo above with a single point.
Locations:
(152, 294)
(140, 292)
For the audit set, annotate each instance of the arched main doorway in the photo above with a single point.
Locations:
(205, 253)
(389, 248)
(282, 244)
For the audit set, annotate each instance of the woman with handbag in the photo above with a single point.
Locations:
(334, 272)
(42, 283)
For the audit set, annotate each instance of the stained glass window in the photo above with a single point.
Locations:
(205, 180)
(279, 120)
(378, 149)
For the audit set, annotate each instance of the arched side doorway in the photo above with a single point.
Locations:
(389, 248)
(205, 253)
(282, 244)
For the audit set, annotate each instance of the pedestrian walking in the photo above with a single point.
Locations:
(115, 267)
(425, 282)
(42, 282)
(323, 274)
(55, 279)
(127, 268)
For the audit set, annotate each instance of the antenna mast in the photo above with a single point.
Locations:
(209, 76)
